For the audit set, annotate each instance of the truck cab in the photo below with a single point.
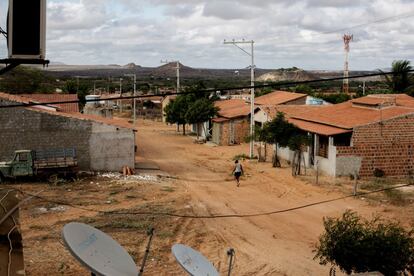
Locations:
(20, 165)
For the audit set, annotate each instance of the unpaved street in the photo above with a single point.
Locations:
(279, 244)
(194, 180)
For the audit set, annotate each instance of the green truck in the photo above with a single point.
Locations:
(40, 163)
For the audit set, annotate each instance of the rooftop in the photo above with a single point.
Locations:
(233, 108)
(278, 97)
(76, 115)
(44, 98)
(348, 115)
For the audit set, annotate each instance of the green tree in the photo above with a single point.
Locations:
(303, 88)
(200, 111)
(357, 245)
(277, 132)
(401, 79)
(334, 98)
(26, 80)
(175, 111)
(70, 87)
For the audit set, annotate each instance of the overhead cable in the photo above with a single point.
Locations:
(205, 91)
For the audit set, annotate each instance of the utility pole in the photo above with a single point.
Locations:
(252, 66)
(120, 94)
(135, 94)
(177, 71)
(347, 40)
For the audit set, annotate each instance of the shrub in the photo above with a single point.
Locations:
(357, 245)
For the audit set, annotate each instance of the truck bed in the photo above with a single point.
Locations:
(54, 158)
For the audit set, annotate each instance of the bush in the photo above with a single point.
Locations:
(357, 245)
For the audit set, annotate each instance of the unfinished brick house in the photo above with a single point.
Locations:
(232, 125)
(101, 144)
(359, 136)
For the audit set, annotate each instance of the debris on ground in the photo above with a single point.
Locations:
(119, 176)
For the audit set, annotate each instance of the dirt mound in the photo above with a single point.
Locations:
(287, 75)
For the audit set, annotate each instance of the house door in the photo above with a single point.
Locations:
(232, 133)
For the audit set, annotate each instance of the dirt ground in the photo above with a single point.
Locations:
(199, 183)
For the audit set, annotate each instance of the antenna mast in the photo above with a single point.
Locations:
(347, 40)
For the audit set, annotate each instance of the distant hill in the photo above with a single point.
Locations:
(169, 71)
(294, 74)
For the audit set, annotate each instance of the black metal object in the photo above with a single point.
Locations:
(12, 63)
(231, 254)
(147, 250)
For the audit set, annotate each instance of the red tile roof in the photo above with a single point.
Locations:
(115, 122)
(348, 115)
(234, 108)
(278, 97)
(44, 98)
(288, 110)
(318, 128)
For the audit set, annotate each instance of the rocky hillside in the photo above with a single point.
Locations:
(294, 74)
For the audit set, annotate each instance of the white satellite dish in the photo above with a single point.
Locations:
(97, 251)
(193, 262)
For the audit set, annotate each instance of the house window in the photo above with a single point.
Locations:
(323, 146)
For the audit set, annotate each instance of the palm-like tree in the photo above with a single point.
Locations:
(401, 80)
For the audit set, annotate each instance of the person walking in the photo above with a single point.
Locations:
(237, 171)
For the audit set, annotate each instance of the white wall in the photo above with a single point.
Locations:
(111, 148)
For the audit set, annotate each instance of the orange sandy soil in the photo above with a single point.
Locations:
(201, 184)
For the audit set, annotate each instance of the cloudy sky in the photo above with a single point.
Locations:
(302, 33)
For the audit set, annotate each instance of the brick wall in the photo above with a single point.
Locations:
(388, 146)
(241, 129)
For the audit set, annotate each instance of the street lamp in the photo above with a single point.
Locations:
(178, 71)
(252, 66)
(135, 91)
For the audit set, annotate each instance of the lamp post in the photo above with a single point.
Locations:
(252, 66)
(135, 91)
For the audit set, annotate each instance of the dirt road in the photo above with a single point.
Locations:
(267, 245)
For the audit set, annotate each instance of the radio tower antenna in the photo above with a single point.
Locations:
(347, 40)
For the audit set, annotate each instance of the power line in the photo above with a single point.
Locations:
(382, 20)
(168, 214)
(210, 90)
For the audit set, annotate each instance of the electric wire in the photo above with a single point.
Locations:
(218, 216)
(210, 90)
(3, 32)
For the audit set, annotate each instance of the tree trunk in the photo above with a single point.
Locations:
(276, 162)
(259, 152)
(184, 129)
(197, 131)
(205, 131)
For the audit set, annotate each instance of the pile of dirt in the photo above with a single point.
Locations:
(287, 75)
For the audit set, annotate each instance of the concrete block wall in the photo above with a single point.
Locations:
(22, 128)
(388, 146)
(99, 146)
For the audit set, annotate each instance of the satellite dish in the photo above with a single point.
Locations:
(193, 262)
(97, 251)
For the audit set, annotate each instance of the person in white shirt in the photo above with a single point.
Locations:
(237, 171)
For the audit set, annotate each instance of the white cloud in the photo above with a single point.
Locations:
(287, 33)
